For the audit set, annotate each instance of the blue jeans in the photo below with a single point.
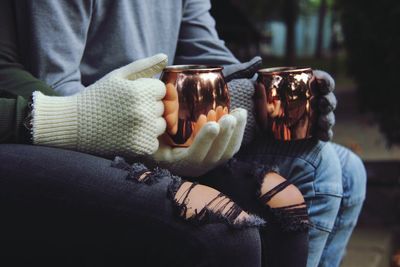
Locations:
(333, 182)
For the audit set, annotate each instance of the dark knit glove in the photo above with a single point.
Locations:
(325, 102)
(241, 90)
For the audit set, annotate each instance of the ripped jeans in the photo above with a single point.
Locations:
(333, 182)
(64, 208)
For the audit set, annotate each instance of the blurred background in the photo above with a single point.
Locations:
(358, 43)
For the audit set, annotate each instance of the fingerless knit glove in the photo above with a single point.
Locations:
(121, 114)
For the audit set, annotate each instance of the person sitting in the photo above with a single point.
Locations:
(71, 45)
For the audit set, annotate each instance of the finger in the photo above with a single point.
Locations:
(237, 136)
(225, 111)
(143, 68)
(212, 115)
(227, 126)
(171, 104)
(161, 125)
(172, 124)
(220, 112)
(158, 108)
(203, 142)
(326, 122)
(199, 124)
(154, 146)
(327, 103)
(164, 151)
(151, 87)
(323, 84)
(171, 93)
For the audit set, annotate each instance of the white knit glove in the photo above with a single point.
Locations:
(214, 144)
(121, 114)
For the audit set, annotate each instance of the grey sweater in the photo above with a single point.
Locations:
(70, 44)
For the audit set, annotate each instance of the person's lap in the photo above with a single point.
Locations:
(314, 167)
(55, 199)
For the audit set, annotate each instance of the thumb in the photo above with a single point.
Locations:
(142, 68)
(242, 70)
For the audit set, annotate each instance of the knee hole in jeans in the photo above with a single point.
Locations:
(285, 202)
(201, 204)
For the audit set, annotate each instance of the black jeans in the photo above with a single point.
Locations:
(63, 208)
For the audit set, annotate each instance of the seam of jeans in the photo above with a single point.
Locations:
(354, 201)
(350, 200)
(328, 194)
(322, 228)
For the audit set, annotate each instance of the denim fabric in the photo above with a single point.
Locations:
(283, 244)
(64, 208)
(332, 180)
(354, 192)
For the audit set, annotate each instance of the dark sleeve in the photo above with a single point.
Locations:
(198, 39)
(16, 84)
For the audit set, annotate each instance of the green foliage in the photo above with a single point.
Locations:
(372, 39)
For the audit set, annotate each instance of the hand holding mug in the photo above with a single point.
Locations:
(195, 94)
(171, 115)
(200, 133)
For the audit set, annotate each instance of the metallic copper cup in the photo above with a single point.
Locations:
(199, 89)
(283, 102)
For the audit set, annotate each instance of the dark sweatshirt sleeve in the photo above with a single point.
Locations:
(198, 41)
(16, 84)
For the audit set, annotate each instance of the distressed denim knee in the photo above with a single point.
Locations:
(202, 204)
(314, 167)
(198, 204)
(284, 201)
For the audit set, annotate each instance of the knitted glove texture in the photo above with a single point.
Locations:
(121, 114)
(241, 90)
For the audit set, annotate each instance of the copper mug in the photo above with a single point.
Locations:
(192, 91)
(283, 102)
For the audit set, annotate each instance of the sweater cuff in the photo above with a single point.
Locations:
(54, 121)
(241, 92)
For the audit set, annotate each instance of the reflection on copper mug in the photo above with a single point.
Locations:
(192, 91)
(283, 102)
